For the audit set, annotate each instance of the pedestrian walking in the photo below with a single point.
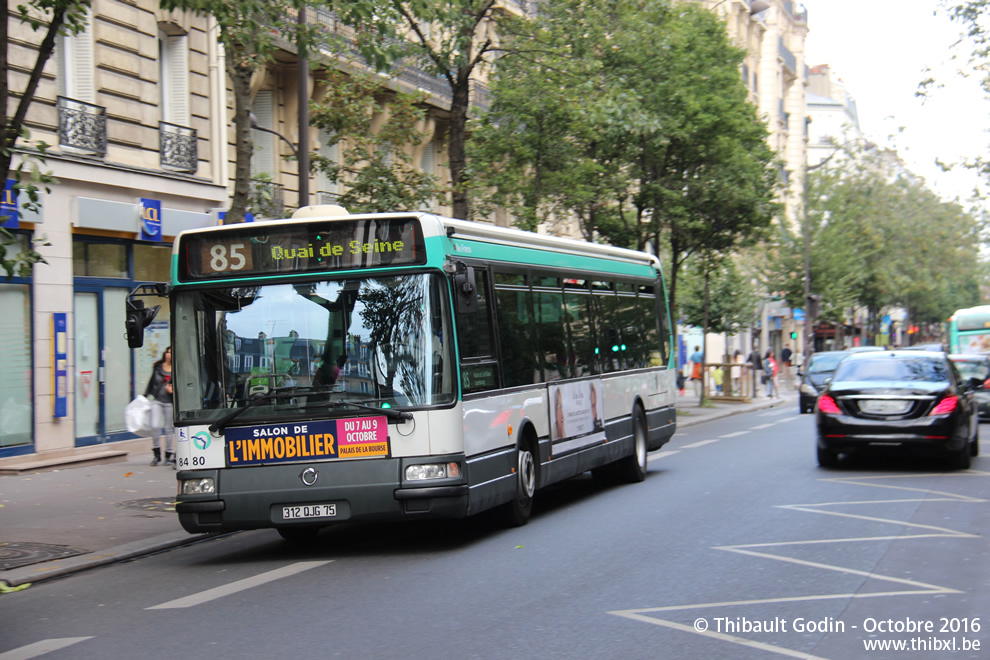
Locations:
(770, 367)
(756, 362)
(697, 360)
(785, 357)
(159, 391)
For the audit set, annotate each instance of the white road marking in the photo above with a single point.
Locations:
(722, 636)
(41, 648)
(762, 426)
(240, 585)
(734, 434)
(919, 588)
(774, 413)
(666, 453)
(699, 444)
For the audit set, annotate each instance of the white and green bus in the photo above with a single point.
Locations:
(336, 367)
(969, 330)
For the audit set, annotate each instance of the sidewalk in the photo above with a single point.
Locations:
(69, 519)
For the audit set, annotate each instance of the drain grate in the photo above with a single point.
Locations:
(15, 555)
(150, 504)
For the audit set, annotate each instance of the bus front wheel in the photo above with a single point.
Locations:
(516, 512)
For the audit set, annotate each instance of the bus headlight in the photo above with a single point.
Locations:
(203, 486)
(432, 471)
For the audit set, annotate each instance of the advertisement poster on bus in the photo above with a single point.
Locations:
(577, 411)
(974, 343)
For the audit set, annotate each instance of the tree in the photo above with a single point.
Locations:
(553, 145)
(880, 239)
(642, 129)
(55, 18)
(452, 39)
(382, 176)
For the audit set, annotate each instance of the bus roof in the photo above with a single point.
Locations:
(462, 235)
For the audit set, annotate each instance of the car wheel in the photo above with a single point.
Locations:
(516, 512)
(961, 459)
(827, 458)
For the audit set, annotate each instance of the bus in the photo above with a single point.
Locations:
(334, 367)
(969, 330)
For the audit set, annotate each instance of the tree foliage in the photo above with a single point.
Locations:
(880, 239)
(380, 173)
(50, 18)
(450, 39)
(632, 117)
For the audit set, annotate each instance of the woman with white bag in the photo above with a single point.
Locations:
(159, 390)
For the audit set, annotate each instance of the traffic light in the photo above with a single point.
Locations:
(793, 335)
(138, 318)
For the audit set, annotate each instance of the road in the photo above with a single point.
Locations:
(736, 545)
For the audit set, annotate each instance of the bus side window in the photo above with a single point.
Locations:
(479, 369)
(520, 360)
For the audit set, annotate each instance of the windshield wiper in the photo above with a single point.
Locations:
(391, 413)
(256, 400)
(293, 392)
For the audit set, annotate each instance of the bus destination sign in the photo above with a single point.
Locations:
(362, 437)
(300, 247)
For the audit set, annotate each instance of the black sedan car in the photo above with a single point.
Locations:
(976, 368)
(897, 401)
(812, 376)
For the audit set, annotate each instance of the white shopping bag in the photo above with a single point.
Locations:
(137, 414)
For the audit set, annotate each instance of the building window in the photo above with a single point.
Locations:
(99, 259)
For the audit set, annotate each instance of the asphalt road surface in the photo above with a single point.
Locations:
(736, 546)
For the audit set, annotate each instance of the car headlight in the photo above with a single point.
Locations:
(809, 390)
(203, 486)
(432, 471)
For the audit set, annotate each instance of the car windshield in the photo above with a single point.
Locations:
(891, 368)
(375, 341)
(824, 362)
(973, 369)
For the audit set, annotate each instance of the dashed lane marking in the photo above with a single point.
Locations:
(661, 454)
(240, 585)
(41, 648)
(734, 434)
(699, 444)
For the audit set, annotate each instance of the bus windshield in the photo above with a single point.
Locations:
(381, 341)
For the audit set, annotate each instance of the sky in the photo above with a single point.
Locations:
(880, 49)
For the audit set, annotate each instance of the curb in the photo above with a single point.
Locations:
(36, 573)
(721, 413)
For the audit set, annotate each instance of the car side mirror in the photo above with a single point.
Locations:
(828, 381)
(975, 383)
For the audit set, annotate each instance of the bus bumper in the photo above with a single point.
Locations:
(357, 490)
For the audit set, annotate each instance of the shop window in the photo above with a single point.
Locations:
(99, 259)
(152, 262)
(15, 367)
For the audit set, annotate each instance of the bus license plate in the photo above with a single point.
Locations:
(309, 511)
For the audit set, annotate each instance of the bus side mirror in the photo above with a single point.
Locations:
(138, 318)
(465, 291)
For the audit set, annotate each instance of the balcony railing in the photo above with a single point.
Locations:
(178, 147)
(323, 197)
(82, 126)
(787, 56)
(267, 199)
